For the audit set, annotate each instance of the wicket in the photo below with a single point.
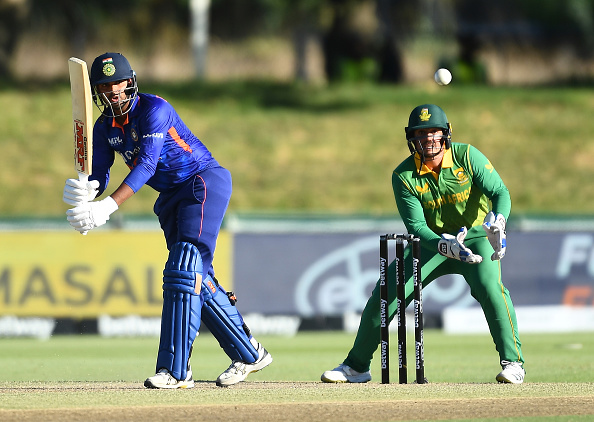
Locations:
(401, 307)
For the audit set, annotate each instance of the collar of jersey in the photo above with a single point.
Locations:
(446, 162)
(116, 124)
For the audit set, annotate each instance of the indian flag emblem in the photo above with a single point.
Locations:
(108, 67)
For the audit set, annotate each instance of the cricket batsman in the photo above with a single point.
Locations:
(450, 196)
(194, 191)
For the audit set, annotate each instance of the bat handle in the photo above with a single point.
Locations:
(83, 178)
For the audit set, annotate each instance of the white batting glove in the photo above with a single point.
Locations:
(77, 192)
(89, 215)
(494, 226)
(453, 247)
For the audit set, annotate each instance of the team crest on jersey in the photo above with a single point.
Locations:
(461, 176)
(423, 189)
(134, 135)
(424, 116)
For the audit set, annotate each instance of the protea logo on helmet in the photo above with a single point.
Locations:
(425, 116)
(108, 67)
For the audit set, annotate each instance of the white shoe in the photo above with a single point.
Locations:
(512, 373)
(238, 371)
(344, 373)
(163, 379)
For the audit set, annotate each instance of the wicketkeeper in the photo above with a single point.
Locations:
(450, 196)
(194, 191)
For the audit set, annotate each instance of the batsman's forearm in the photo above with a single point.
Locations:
(122, 194)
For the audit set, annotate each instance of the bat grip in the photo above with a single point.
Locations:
(83, 178)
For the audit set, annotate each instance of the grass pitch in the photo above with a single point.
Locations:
(82, 377)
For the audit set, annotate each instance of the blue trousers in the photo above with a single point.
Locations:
(194, 212)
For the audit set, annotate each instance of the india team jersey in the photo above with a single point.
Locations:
(464, 191)
(155, 144)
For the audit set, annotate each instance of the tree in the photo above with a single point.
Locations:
(12, 18)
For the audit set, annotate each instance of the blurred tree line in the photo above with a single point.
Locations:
(360, 39)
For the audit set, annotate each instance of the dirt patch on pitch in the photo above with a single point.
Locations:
(318, 409)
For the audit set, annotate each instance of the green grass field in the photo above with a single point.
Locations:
(550, 357)
(297, 148)
(67, 373)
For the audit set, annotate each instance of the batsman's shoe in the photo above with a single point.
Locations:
(512, 373)
(163, 379)
(344, 373)
(238, 371)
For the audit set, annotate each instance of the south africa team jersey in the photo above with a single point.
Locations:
(155, 144)
(464, 191)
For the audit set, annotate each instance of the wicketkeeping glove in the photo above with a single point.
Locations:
(453, 247)
(494, 226)
(89, 215)
(77, 192)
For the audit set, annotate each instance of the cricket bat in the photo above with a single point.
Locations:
(82, 117)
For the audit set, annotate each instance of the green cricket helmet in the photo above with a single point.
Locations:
(428, 116)
(112, 67)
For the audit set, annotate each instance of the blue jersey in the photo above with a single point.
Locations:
(155, 144)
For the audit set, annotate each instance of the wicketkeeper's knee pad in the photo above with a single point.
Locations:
(224, 321)
(180, 319)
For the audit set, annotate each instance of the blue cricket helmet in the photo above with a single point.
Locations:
(113, 67)
(110, 67)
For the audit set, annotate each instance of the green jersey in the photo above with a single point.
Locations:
(461, 194)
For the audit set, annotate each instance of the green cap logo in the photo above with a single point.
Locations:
(425, 116)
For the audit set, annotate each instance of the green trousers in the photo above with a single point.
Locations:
(486, 287)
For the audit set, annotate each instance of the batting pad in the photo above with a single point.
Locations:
(225, 323)
(180, 319)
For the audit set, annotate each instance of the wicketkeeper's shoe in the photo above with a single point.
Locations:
(512, 373)
(238, 371)
(344, 373)
(163, 379)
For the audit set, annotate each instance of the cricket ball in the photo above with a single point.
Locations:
(443, 76)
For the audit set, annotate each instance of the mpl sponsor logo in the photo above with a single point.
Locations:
(115, 141)
(342, 280)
